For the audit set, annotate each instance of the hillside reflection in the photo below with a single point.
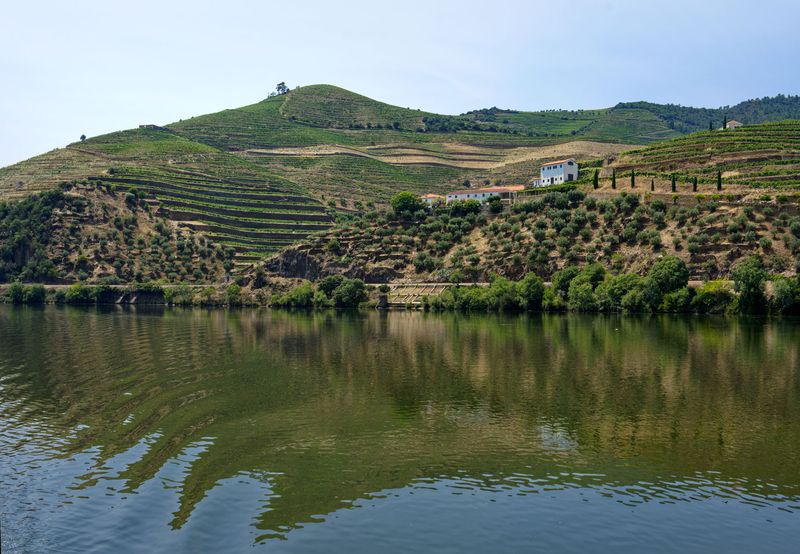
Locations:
(327, 408)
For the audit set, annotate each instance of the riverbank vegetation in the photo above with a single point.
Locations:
(664, 289)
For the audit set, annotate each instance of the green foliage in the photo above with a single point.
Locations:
(328, 284)
(301, 296)
(668, 274)
(495, 204)
(233, 294)
(81, 294)
(531, 292)
(749, 277)
(349, 294)
(406, 203)
(785, 295)
(34, 294)
(612, 290)
(16, 292)
(713, 297)
(678, 301)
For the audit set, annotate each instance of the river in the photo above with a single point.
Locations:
(168, 430)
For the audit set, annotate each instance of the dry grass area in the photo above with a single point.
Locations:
(454, 155)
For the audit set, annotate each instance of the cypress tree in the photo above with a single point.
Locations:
(725, 122)
(613, 178)
(652, 184)
(673, 183)
(710, 125)
(633, 178)
(595, 180)
(719, 180)
(694, 184)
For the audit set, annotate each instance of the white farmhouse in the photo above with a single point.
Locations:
(507, 194)
(557, 172)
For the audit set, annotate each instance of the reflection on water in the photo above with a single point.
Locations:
(198, 430)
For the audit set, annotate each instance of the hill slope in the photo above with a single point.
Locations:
(753, 156)
(261, 177)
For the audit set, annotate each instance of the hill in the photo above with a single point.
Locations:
(765, 156)
(623, 232)
(262, 177)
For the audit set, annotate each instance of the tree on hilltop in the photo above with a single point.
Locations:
(281, 88)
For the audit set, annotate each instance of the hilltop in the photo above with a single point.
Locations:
(262, 177)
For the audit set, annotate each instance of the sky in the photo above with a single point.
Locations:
(92, 67)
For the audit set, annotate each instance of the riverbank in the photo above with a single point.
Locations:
(665, 288)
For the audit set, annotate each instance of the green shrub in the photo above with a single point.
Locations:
(749, 277)
(16, 292)
(34, 294)
(349, 294)
(531, 292)
(713, 297)
(678, 301)
(80, 294)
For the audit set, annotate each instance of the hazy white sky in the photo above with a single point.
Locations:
(97, 66)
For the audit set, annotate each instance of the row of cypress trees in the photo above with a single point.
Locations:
(673, 178)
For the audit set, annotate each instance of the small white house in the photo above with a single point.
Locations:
(557, 172)
(730, 125)
(432, 199)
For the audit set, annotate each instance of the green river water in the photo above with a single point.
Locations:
(130, 430)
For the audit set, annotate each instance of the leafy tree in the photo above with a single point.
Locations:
(328, 284)
(495, 204)
(563, 278)
(610, 292)
(16, 292)
(785, 294)
(83, 138)
(531, 292)
(349, 294)
(713, 297)
(281, 88)
(668, 274)
(748, 280)
(406, 203)
(34, 294)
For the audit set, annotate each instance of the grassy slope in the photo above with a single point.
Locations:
(205, 174)
(710, 234)
(762, 156)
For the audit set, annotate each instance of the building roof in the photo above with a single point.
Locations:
(431, 196)
(734, 122)
(507, 188)
(558, 162)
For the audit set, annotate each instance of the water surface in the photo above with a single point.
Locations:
(125, 430)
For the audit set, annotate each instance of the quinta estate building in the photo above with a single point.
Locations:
(557, 172)
(507, 194)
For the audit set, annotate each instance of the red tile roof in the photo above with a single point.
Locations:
(508, 188)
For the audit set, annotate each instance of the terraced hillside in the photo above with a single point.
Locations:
(264, 176)
(230, 200)
(623, 232)
(765, 156)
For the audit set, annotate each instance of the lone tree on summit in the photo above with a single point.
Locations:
(281, 88)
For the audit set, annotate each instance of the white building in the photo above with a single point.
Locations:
(431, 199)
(732, 124)
(507, 194)
(557, 172)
